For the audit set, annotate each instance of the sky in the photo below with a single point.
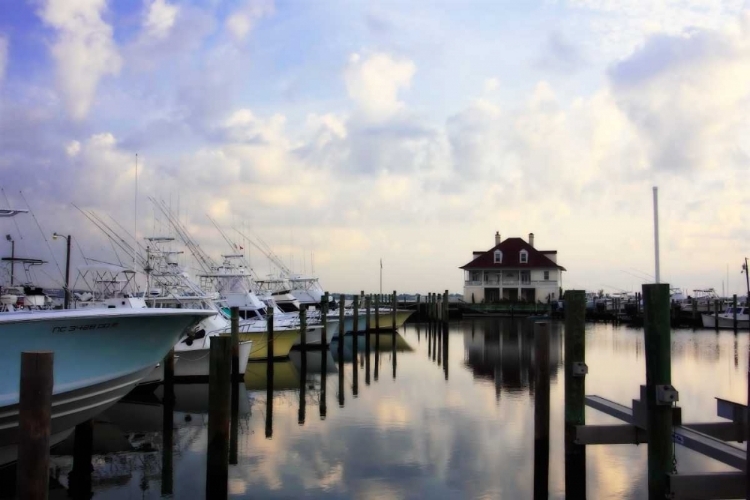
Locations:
(343, 133)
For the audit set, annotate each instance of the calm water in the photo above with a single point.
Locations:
(423, 429)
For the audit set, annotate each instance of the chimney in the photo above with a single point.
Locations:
(497, 238)
(531, 239)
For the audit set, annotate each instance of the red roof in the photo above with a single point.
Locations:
(511, 248)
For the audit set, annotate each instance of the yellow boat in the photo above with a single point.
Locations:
(283, 340)
(386, 318)
(285, 376)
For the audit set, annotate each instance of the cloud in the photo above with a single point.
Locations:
(242, 21)
(84, 50)
(559, 55)
(3, 57)
(373, 82)
(688, 96)
(160, 17)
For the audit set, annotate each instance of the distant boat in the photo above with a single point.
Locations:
(99, 356)
(726, 319)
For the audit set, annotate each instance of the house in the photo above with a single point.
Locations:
(512, 270)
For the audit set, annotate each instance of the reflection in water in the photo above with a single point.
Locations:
(420, 436)
(502, 350)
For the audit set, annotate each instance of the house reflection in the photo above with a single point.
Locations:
(502, 350)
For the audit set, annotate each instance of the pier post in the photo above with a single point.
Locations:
(694, 311)
(167, 447)
(217, 465)
(377, 313)
(747, 431)
(393, 310)
(79, 479)
(269, 332)
(716, 315)
(324, 332)
(541, 411)
(445, 349)
(575, 392)
(734, 312)
(377, 344)
(235, 331)
(355, 341)
(269, 375)
(303, 362)
(367, 340)
(445, 307)
(342, 329)
(34, 420)
(657, 334)
(168, 363)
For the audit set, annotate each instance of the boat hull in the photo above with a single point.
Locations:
(99, 356)
(726, 321)
(282, 342)
(195, 363)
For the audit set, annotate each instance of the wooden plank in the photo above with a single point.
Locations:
(736, 412)
(610, 434)
(708, 485)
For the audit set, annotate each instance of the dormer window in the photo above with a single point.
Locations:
(498, 257)
(524, 257)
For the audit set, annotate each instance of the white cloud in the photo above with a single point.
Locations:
(160, 17)
(242, 21)
(374, 82)
(84, 50)
(73, 148)
(688, 95)
(3, 57)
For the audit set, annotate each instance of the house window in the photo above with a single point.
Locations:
(525, 277)
(498, 257)
(546, 275)
(524, 257)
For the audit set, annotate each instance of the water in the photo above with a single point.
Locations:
(423, 429)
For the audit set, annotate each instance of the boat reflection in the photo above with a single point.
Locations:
(127, 441)
(502, 351)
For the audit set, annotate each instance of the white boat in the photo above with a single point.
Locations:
(726, 319)
(99, 356)
(192, 359)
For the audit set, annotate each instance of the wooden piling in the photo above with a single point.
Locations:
(235, 332)
(168, 363)
(34, 419)
(377, 313)
(575, 392)
(656, 326)
(445, 349)
(324, 360)
(394, 306)
(734, 312)
(342, 329)
(367, 340)
(324, 332)
(541, 411)
(303, 368)
(445, 306)
(79, 480)
(269, 375)
(219, 379)
(716, 315)
(694, 312)
(355, 341)
(269, 332)
(167, 448)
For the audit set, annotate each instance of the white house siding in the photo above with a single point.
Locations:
(478, 280)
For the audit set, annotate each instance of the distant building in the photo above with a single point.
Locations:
(512, 270)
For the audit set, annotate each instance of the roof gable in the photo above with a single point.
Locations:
(511, 249)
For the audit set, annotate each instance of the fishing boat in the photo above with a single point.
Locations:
(726, 319)
(99, 356)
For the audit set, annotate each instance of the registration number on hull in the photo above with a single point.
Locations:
(81, 328)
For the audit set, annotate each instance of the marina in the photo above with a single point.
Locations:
(450, 417)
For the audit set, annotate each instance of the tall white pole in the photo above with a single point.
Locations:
(135, 214)
(656, 233)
